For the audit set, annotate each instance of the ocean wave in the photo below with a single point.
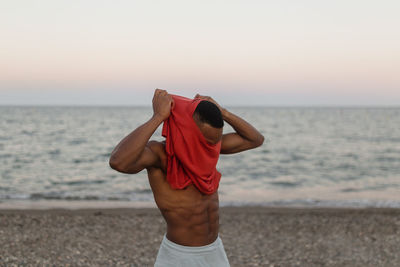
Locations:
(80, 182)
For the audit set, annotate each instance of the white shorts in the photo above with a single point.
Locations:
(175, 255)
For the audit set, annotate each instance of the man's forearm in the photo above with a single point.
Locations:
(132, 146)
(243, 128)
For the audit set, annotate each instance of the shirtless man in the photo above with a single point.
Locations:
(192, 217)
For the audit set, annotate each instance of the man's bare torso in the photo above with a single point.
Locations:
(192, 217)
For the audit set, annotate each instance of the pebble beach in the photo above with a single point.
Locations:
(252, 236)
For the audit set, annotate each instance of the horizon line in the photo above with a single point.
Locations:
(228, 106)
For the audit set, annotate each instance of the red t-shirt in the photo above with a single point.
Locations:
(191, 159)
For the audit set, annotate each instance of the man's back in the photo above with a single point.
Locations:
(191, 216)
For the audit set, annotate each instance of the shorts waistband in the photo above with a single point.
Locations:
(190, 249)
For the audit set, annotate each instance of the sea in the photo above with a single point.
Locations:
(311, 157)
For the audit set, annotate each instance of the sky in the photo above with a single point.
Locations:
(268, 53)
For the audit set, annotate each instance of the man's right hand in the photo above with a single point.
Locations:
(162, 104)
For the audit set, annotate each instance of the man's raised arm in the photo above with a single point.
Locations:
(246, 136)
(134, 152)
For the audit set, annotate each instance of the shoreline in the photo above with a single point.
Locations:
(12, 204)
(71, 204)
(274, 210)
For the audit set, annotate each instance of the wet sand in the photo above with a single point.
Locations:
(252, 236)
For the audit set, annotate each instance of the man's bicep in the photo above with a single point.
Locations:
(233, 143)
(148, 158)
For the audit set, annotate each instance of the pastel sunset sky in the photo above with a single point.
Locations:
(271, 53)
